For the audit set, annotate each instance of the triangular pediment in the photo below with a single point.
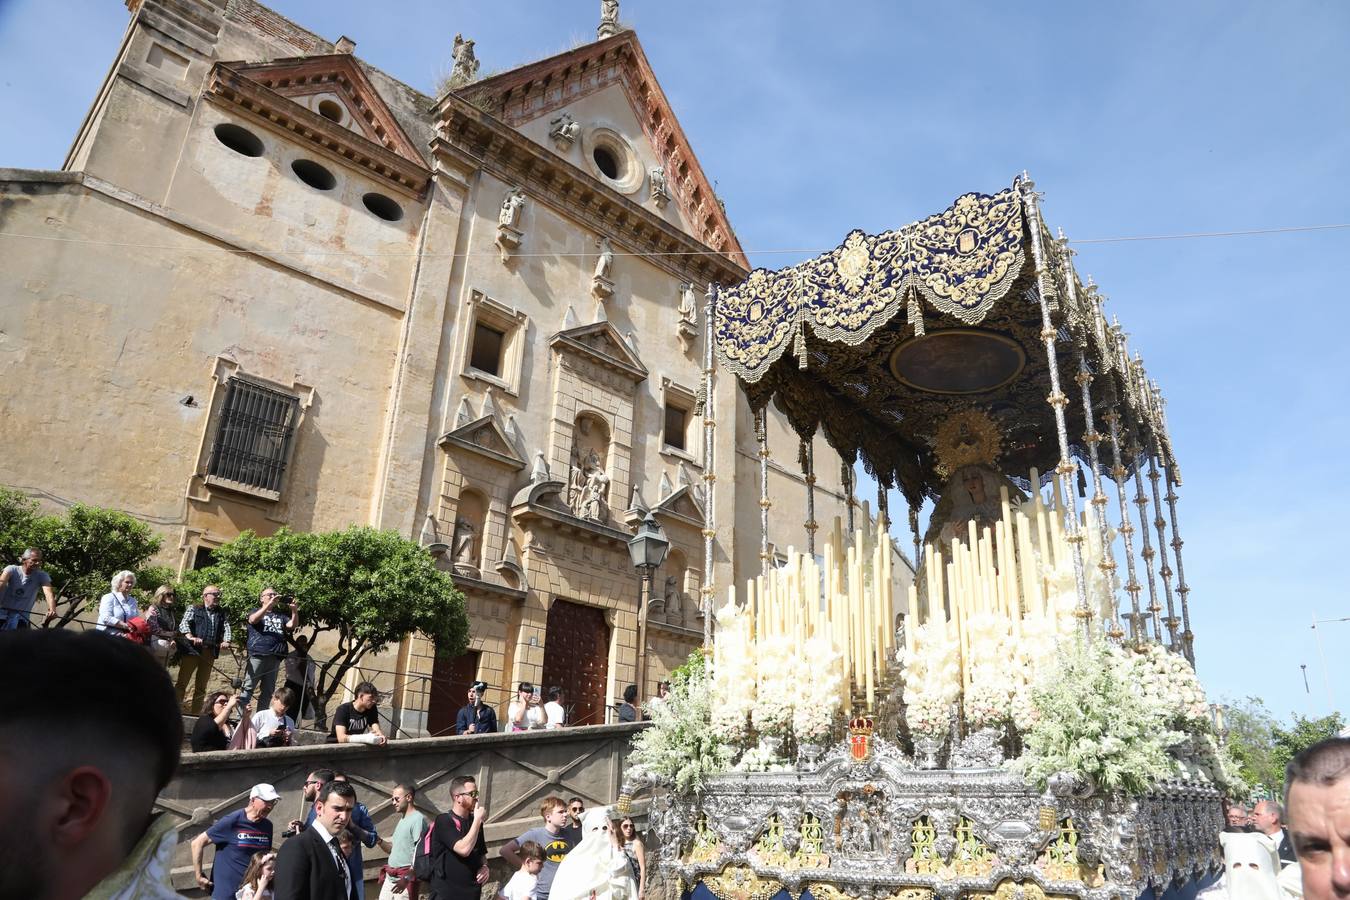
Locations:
(681, 505)
(532, 97)
(600, 343)
(327, 101)
(486, 437)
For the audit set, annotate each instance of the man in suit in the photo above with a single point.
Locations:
(311, 865)
(1268, 817)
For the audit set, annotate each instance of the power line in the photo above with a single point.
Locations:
(1293, 229)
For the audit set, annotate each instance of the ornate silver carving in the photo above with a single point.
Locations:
(987, 826)
(982, 749)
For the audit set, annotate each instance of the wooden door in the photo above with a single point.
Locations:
(448, 693)
(576, 659)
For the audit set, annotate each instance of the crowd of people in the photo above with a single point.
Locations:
(68, 833)
(227, 719)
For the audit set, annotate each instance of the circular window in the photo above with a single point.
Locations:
(613, 159)
(382, 207)
(605, 162)
(240, 140)
(330, 109)
(313, 174)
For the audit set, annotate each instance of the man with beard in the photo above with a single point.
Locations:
(314, 783)
(79, 774)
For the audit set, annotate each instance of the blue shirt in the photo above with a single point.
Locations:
(486, 720)
(236, 840)
(268, 637)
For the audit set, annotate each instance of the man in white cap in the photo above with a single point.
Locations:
(237, 837)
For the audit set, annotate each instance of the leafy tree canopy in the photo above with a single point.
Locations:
(81, 549)
(366, 587)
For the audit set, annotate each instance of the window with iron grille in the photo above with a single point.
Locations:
(253, 438)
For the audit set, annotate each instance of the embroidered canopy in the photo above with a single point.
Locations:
(879, 384)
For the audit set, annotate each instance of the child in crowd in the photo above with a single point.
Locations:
(521, 885)
(272, 725)
(257, 884)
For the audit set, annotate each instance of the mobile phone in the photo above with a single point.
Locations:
(535, 695)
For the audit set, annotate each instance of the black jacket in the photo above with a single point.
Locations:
(306, 870)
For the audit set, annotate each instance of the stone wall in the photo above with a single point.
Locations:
(514, 772)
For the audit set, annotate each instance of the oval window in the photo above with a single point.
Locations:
(238, 139)
(606, 162)
(330, 109)
(382, 207)
(313, 174)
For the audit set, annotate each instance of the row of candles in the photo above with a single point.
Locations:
(847, 599)
(1004, 570)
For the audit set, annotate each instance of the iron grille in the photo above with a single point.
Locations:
(254, 436)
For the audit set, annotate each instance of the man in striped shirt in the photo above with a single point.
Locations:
(209, 633)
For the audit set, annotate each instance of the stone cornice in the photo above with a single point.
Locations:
(626, 364)
(532, 91)
(277, 112)
(463, 130)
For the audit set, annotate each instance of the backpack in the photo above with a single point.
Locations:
(425, 864)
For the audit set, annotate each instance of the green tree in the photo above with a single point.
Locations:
(366, 588)
(81, 549)
(86, 546)
(1301, 734)
(18, 517)
(1251, 741)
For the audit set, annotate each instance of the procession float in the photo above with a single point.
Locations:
(1032, 727)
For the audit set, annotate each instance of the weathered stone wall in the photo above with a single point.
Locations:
(514, 773)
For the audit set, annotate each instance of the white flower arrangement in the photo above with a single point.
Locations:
(682, 746)
(932, 680)
(815, 703)
(1094, 723)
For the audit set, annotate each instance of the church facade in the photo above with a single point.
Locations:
(273, 286)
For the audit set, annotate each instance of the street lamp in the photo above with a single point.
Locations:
(648, 550)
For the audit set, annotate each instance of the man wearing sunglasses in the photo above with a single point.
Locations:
(458, 846)
(208, 632)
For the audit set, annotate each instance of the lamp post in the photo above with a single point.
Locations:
(647, 548)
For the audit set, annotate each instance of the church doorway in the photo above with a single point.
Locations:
(448, 693)
(576, 659)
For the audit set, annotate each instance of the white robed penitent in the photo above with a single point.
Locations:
(595, 869)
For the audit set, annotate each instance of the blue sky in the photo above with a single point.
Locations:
(1143, 118)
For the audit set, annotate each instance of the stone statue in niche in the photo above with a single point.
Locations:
(465, 68)
(594, 501)
(576, 479)
(462, 547)
(671, 597)
(687, 330)
(660, 190)
(601, 285)
(609, 19)
(564, 130)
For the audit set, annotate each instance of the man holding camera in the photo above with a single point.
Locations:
(476, 717)
(267, 628)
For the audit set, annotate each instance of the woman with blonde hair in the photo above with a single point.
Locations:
(118, 606)
(257, 883)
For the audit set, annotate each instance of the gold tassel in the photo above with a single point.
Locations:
(799, 346)
(915, 316)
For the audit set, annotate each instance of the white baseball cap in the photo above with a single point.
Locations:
(264, 792)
